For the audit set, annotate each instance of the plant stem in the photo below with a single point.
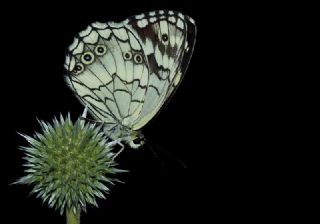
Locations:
(73, 218)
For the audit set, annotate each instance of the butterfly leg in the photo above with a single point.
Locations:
(84, 114)
(114, 143)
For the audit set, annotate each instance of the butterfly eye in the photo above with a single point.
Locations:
(137, 58)
(164, 37)
(127, 55)
(137, 141)
(87, 58)
(78, 68)
(100, 50)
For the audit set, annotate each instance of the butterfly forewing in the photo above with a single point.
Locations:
(167, 39)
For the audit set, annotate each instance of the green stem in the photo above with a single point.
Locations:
(73, 218)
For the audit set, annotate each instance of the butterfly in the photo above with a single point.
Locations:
(125, 72)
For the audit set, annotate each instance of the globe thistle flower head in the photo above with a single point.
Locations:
(69, 164)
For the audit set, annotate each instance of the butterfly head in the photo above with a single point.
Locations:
(136, 139)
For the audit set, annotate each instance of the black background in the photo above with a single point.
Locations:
(218, 122)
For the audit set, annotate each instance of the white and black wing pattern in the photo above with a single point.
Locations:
(125, 72)
(107, 70)
(167, 39)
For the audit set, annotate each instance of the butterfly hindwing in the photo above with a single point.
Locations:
(112, 82)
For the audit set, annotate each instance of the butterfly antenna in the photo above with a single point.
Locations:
(157, 157)
(171, 155)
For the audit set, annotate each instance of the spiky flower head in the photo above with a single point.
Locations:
(69, 164)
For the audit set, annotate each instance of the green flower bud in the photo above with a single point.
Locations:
(69, 165)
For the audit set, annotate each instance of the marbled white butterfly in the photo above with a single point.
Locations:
(125, 72)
